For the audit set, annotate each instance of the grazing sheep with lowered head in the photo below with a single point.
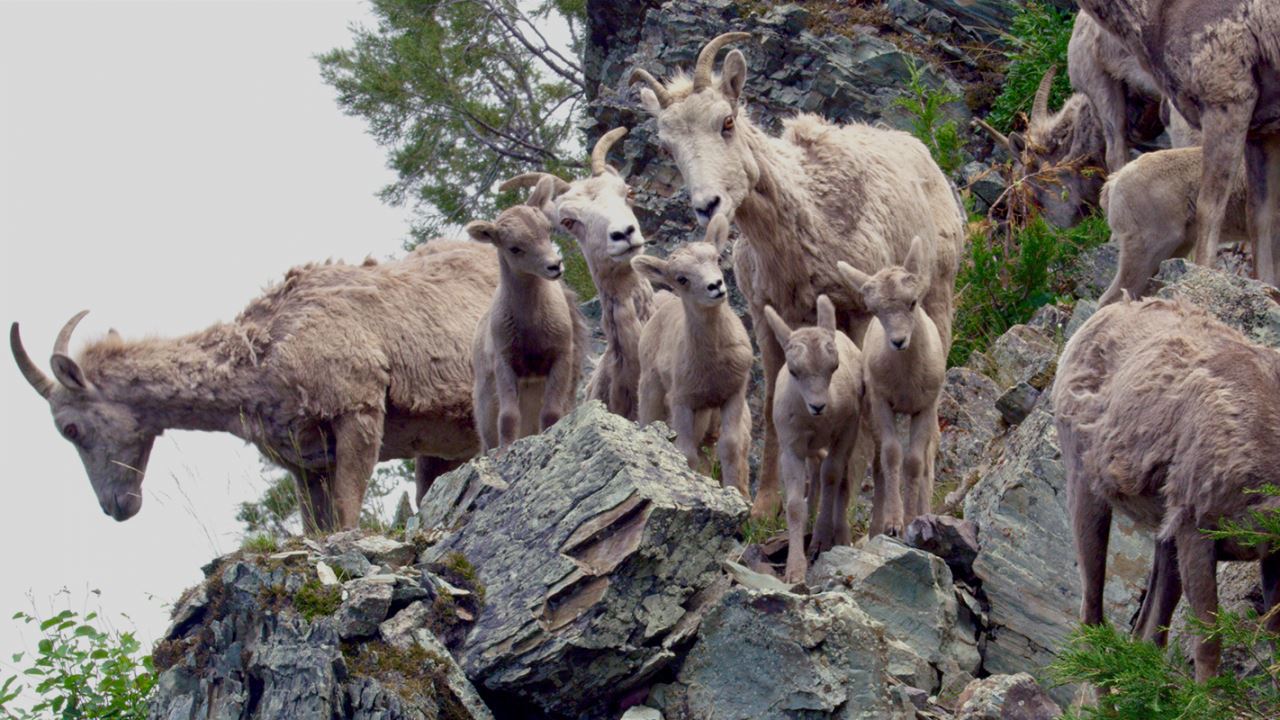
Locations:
(327, 373)
(596, 210)
(1169, 416)
(817, 194)
(817, 412)
(695, 356)
(904, 362)
(530, 344)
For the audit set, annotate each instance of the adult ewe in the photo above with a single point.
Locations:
(1170, 416)
(818, 194)
(1218, 62)
(328, 372)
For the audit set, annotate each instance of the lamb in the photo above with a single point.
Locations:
(596, 211)
(1217, 61)
(695, 356)
(1151, 208)
(818, 194)
(817, 413)
(1169, 416)
(904, 362)
(327, 373)
(530, 344)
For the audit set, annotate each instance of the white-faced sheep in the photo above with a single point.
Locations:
(596, 210)
(530, 344)
(817, 412)
(1169, 416)
(904, 362)
(817, 194)
(1151, 208)
(695, 356)
(328, 372)
(1218, 62)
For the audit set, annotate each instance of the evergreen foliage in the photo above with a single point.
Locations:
(1038, 41)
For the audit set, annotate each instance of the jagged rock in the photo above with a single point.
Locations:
(1016, 402)
(911, 592)
(1247, 305)
(1095, 268)
(641, 712)
(986, 184)
(598, 551)
(326, 574)
(1021, 354)
(1083, 310)
(764, 655)
(350, 564)
(952, 539)
(385, 551)
(969, 421)
(367, 603)
(1006, 697)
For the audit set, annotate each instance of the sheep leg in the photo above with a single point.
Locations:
(1198, 566)
(1262, 158)
(1224, 129)
(1140, 258)
(485, 409)
(425, 471)
(702, 428)
(771, 357)
(793, 475)
(314, 504)
(832, 525)
(1270, 566)
(1164, 588)
(1109, 102)
(890, 475)
(1091, 527)
(687, 439)
(919, 484)
(358, 438)
(813, 487)
(508, 387)
(557, 394)
(735, 436)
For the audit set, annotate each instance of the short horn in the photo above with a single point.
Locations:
(1040, 106)
(33, 374)
(660, 91)
(531, 179)
(994, 133)
(707, 58)
(601, 151)
(64, 336)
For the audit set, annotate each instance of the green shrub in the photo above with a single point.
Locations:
(1038, 40)
(261, 543)
(1004, 280)
(79, 671)
(315, 600)
(927, 124)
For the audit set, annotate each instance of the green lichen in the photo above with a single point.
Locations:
(314, 600)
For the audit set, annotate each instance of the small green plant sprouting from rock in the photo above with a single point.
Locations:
(1038, 40)
(925, 104)
(314, 600)
(414, 672)
(261, 543)
(758, 530)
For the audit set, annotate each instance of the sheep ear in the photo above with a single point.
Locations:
(718, 232)
(68, 372)
(113, 335)
(650, 102)
(1017, 143)
(733, 76)
(542, 193)
(853, 276)
(780, 329)
(651, 267)
(915, 257)
(826, 313)
(483, 230)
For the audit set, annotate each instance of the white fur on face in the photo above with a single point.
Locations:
(715, 163)
(597, 212)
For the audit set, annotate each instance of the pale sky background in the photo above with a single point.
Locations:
(160, 163)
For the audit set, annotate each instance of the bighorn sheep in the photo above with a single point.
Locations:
(1170, 416)
(596, 210)
(1151, 208)
(1218, 62)
(695, 356)
(904, 361)
(818, 194)
(328, 372)
(817, 412)
(530, 344)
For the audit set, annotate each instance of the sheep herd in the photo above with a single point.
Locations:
(850, 240)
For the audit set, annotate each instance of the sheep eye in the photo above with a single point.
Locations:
(568, 223)
(70, 431)
(793, 373)
(631, 195)
(682, 280)
(727, 126)
(913, 305)
(515, 250)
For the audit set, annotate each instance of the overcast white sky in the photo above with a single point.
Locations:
(159, 164)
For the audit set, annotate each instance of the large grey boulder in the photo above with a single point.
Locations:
(1247, 305)
(969, 421)
(764, 654)
(1006, 697)
(597, 549)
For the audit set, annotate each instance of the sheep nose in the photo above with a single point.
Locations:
(817, 408)
(709, 209)
(900, 343)
(717, 285)
(623, 234)
(555, 267)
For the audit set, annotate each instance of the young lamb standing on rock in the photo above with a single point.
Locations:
(904, 362)
(695, 356)
(596, 210)
(1168, 415)
(817, 412)
(815, 195)
(529, 346)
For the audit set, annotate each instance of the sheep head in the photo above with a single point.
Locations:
(692, 271)
(113, 443)
(596, 210)
(811, 354)
(697, 124)
(522, 235)
(893, 294)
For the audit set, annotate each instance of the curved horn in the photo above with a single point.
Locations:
(660, 91)
(707, 57)
(601, 150)
(531, 179)
(64, 336)
(1040, 106)
(999, 136)
(33, 374)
